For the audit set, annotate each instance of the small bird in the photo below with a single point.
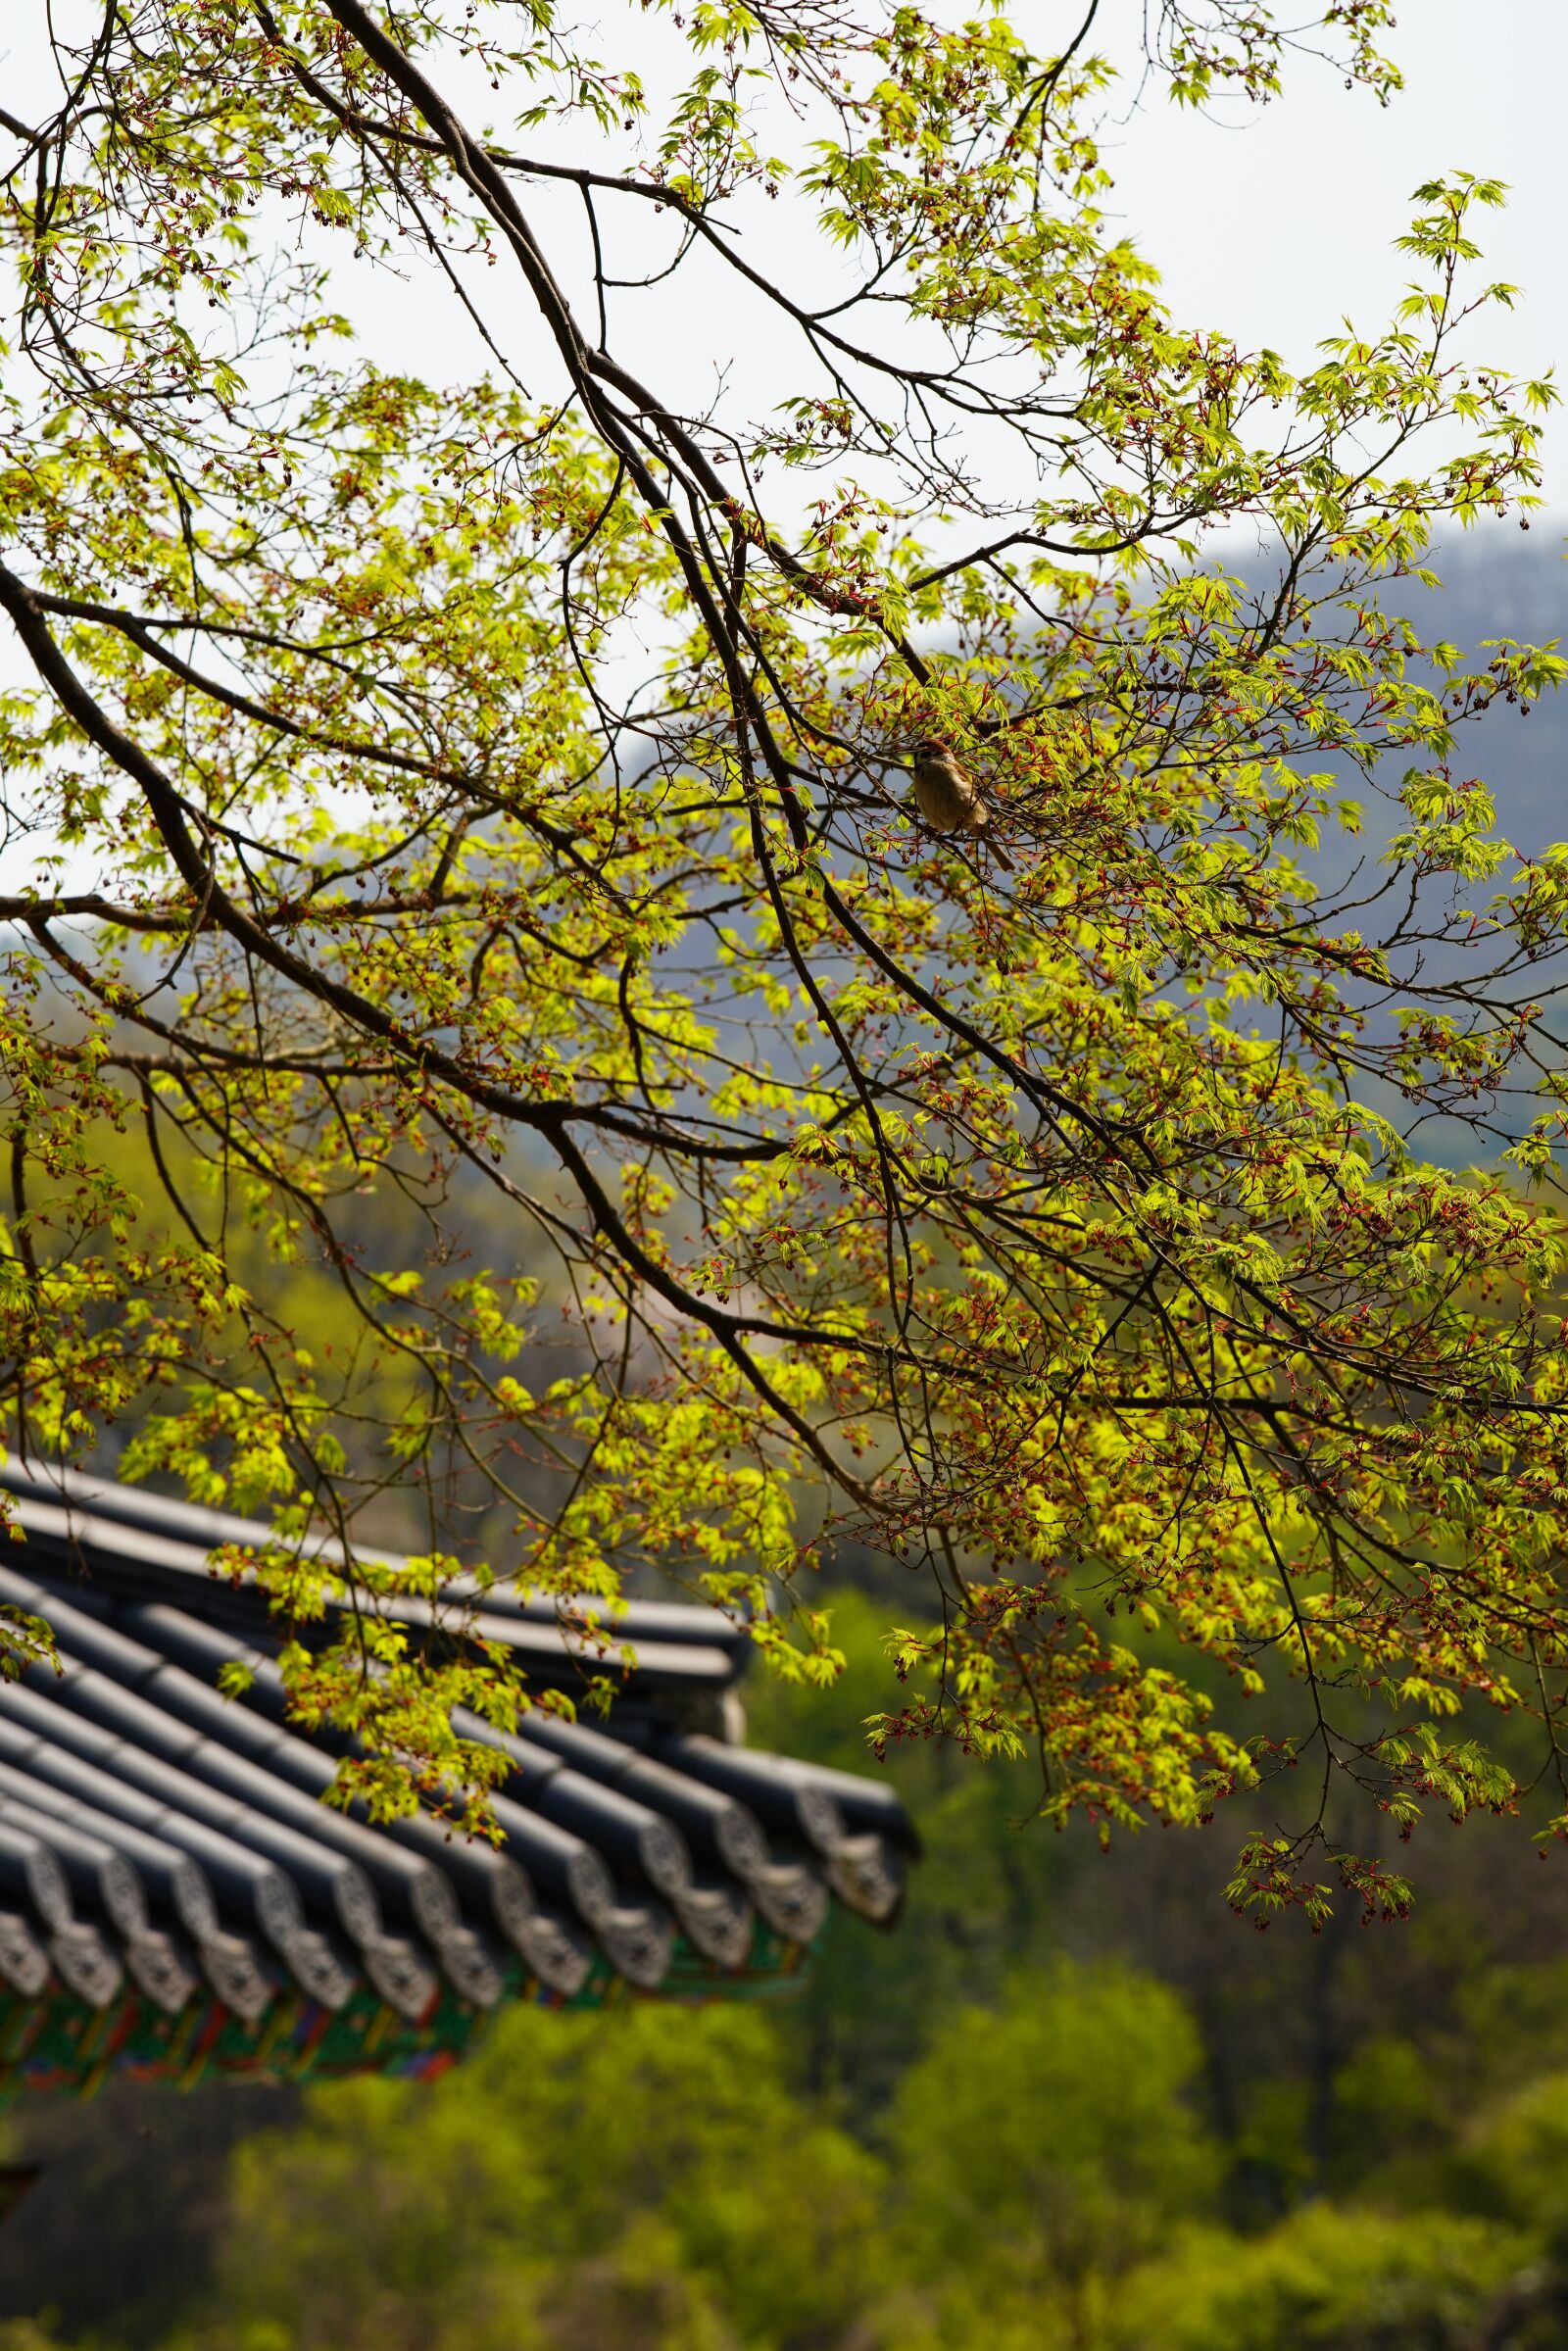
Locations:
(948, 796)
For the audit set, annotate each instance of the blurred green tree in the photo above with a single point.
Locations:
(642, 2177)
(1332, 2280)
(1044, 2148)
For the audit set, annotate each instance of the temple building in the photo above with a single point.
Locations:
(176, 1901)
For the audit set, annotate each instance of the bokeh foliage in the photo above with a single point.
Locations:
(1001, 2126)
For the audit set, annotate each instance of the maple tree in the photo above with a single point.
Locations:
(442, 786)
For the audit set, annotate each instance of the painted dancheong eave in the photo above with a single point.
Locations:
(175, 1899)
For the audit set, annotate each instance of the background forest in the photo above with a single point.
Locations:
(1071, 2100)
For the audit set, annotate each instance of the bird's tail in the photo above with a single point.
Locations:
(983, 830)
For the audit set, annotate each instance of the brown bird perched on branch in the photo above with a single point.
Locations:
(948, 798)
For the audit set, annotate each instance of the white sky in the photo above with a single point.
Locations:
(1270, 225)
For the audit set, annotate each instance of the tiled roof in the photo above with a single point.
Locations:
(174, 1895)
